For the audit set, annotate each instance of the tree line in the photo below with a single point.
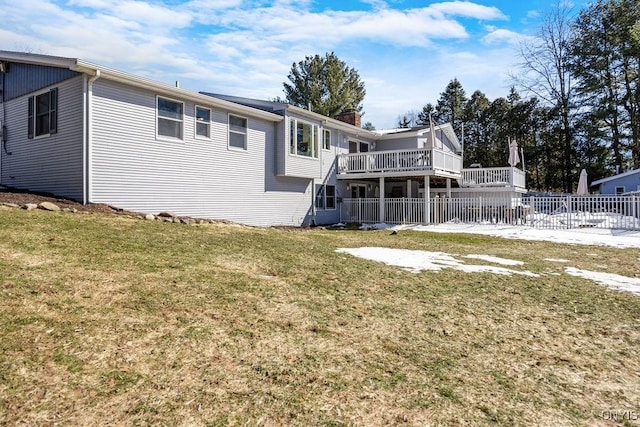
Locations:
(581, 75)
(579, 108)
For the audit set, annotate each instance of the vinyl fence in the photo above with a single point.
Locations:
(563, 212)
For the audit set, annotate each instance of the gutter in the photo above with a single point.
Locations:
(168, 90)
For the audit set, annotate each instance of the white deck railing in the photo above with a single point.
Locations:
(493, 177)
(418, 160)
(610, 212)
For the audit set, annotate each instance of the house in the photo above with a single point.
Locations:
(98, 135)
(627, 182)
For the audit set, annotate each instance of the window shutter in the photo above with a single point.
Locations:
(53, 110)
(30, 115)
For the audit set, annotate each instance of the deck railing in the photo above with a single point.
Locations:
(610, 212)
(493, 177)
(420, 159)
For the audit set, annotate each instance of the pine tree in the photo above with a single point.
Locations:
(450, 106)
(324, 84)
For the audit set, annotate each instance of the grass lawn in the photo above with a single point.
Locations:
(106, 319)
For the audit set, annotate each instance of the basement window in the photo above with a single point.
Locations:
(325, 196)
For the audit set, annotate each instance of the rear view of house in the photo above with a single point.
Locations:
(99, 135)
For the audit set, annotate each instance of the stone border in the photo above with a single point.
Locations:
(162, 216)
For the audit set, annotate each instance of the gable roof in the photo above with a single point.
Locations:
(620, 175)
(95, 70)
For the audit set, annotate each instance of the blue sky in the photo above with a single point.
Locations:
(406, 51)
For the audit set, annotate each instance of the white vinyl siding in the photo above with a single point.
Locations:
(201, 178)
(52, 162)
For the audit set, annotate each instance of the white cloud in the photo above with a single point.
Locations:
(405, 56)
(468, 9)
(503, 36)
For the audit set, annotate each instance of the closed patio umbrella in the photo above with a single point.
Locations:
(583, 186)
(514, 157)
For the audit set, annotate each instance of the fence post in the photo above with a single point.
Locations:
(569, 211)
(532, 210)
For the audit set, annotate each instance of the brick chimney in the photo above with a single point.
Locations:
(350, 116)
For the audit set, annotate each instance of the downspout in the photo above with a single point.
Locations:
(88, 137)
(313, 202)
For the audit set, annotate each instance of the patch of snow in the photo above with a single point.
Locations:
(613, 281)
(495, 259)
(578, 236)
(417, 261)
(556, 260)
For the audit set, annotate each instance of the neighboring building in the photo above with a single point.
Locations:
(98, 135)
(627, 182)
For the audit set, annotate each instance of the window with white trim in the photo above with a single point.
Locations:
(325, 196)
(170, 118)
(303, 139)
(203, 122)
(326, 139)
(43, 113)
(237, 132)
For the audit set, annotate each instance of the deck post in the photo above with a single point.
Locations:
(381, 199)
(427, 197)
(409, 188)
(449, 187)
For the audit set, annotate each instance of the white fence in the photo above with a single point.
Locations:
(612, 212)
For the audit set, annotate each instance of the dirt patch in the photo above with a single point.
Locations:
(21, 198)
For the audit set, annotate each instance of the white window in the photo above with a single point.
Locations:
(326, 139)
(43, 114)
(325, 196)
(170, 118)
(303, 139)
(203, 122)
(237, 132)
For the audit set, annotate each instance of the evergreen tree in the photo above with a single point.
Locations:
(597, 63)
(450, 106)
(324, 84)
(423, 116)
(476, 135)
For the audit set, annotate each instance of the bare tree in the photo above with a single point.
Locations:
(546, 73)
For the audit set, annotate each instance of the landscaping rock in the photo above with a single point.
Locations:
(150, 217)
(30, 206)
(11, 205)
(48, 206)
(167, 214)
